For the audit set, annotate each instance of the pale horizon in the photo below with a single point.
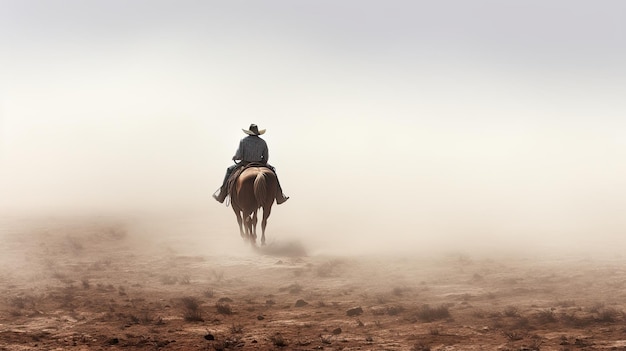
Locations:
(455, 123)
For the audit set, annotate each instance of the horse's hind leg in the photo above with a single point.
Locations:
(240, 222)
(253, 227)
(248, 226)
(267, 210)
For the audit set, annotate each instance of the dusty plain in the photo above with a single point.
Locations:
(104, 285)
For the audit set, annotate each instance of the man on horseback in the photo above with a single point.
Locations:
(251, 149)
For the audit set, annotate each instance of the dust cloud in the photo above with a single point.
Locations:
(355, 189)
(386, 139)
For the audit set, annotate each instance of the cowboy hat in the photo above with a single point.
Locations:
(254, 130)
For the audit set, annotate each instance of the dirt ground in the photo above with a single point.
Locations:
(96, 285)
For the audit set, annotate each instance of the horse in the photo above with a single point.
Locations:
(255, 188)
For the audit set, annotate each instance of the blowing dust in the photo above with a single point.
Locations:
(459, 192)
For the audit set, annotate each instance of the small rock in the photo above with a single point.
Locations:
(301, 303)
(209, 337)
(354, 311)
(114, 341)
(260, 318)
(337, 331)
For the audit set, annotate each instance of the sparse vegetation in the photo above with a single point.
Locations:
(22, 302)
(576, 321)
(223, 308)
(292, 289)
(430, 314)
(185, 280)
(74, 244)
(368, 308)
(511, 311)
(236, 328)
(217, 276)
(546, 316)
(608, 315)
(566, 303)
(278, 340)
(168, 279)
(66, 297)
(394, 310)
(144, 318)
(420, 347)
(192, 312)
(513, 335)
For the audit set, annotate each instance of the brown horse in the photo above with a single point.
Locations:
(255, 188)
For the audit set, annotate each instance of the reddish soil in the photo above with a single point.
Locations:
(97, 286)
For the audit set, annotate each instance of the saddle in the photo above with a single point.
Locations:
(230, 183)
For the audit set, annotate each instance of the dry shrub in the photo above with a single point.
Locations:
(399, 291)
(420, 347)
(511, 311)
(236, 328)
(521, 322)
(67, 296)
(185, 280)
(513, 335)
(429, 314)
(192, 309)
(546, 316)
(480, 314)
(566, 303)
(394, 310)
(22, 302)
(223, 308)
(573, 320)
(609, 315)
(278, 340)
(168, 279)
(74, 244)
(293, 288)
(218, 276)
(144, 318)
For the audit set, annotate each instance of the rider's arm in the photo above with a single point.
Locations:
(239, 152)
(266, 154)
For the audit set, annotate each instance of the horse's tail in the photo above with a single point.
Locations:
(260, 188)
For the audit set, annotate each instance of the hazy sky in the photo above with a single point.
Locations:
(438, 119)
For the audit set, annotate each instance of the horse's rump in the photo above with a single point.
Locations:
(253, 186)
(232, 180)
